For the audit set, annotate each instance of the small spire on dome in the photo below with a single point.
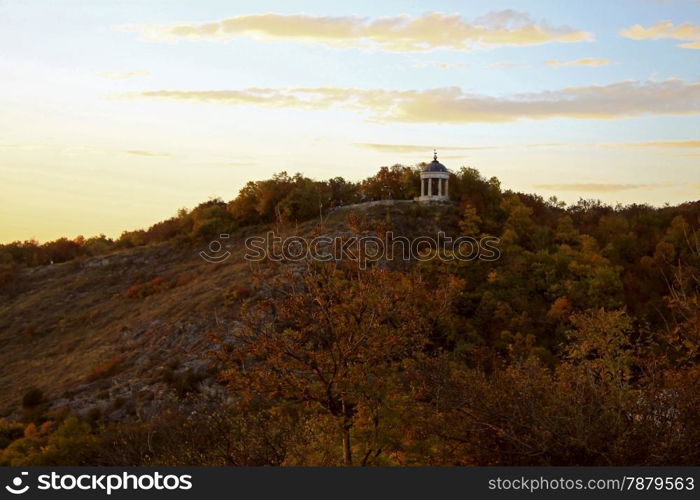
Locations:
(435, 154)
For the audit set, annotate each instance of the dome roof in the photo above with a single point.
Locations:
(435, 165)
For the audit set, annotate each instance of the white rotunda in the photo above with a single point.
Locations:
(434, 179)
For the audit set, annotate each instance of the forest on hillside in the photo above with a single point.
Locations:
(579, 346)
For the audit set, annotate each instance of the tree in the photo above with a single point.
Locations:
(244, 207)
(210, 219)
(470, 222)
(333, 340)
(397, 182)
(304, 201)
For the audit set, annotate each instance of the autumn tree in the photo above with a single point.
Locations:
(332, 340)
(593, 408)
(397, 182)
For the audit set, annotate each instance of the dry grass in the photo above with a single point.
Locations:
(68, 322)
(106, 323)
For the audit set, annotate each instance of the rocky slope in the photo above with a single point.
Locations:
(116, 336)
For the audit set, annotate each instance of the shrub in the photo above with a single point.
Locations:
(72, 443)
(141, 290)
(32, 398)
(94, 414)
(237, 294)
(106, 369)
(187, 382)
(9, 431)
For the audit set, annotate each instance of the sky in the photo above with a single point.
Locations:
(114, 114)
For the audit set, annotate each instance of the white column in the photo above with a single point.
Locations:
(422, 187)
(447, 189)
(439, 187)
(430, 186)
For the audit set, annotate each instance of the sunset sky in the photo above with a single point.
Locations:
(115, 114)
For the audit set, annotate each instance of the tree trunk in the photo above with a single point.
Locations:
(347, 452)
(347, 425)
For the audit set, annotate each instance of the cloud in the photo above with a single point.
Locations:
(687, 32)
(594, 187)
(453, 105)
(660, 144)
(416, 148)
(241, 163)
(405, 148)
(413, 148)
(444, 65)
(142, 152)
(585, 61)
(453, 157)
(77, 150)
(123, 75)
(440, 65)
(401, 33)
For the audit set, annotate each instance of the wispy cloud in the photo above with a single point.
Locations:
(144, 152)
(584, 61)
(687, 32)
(440, 65)
(405, 148)
(413, 148)
(78, 150)
(443, 65)
(595, 187)
(692, 144)
(241, 163)
(453, 105)
(416, 148)
(123, 75)
(402, 33)
(454, 157)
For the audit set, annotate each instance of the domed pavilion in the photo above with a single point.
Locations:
(434, 179)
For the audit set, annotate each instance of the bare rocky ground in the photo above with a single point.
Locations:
(115, 336)
(120, 335)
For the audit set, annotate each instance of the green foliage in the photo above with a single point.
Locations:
(470, 224)
(600, 342)
(9, 432)
(393, 183)
(211, 219)
(71, 443)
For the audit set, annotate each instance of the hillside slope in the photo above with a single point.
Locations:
(117, 335)
(99, 332)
